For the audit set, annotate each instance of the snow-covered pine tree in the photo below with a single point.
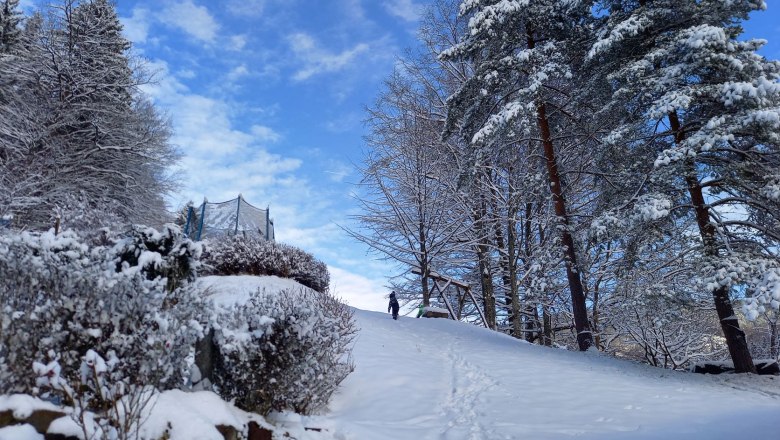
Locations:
(714, 107)
(75, 122)
(10, 25)
(22, 119)
(522, 52)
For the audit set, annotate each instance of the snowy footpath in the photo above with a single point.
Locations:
(439, 379)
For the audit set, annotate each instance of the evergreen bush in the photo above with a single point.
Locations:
(284, 351)
(77, 324)
(253, 256)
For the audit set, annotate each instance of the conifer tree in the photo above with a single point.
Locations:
(711, 105)
(76, 130)
(10, 25)
(522, 52)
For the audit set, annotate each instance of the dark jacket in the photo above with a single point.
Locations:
(393, 304)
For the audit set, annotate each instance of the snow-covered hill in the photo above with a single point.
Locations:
(439, 379)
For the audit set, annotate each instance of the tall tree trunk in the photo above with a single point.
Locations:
(508, 264)
(484, 266)
(579, 308)
(729, 323)
(514, 292)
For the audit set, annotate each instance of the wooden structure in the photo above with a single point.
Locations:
(462, 290)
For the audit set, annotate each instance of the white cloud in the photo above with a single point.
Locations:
(192, 19)
(186, 74)
(317, 60)
(237, 72)
(265, 134)
(220, 161)
(238, 42)
(357, 290)
(338, 171)
(136, 27)
(405, 9)
(246, 8)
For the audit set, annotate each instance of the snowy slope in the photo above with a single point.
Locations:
(439, 379)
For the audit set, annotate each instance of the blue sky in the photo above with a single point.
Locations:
(267, 97)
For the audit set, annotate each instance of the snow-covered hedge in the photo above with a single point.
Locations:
(87, 322)
(254, 256)
(158, 254)
(285, 350)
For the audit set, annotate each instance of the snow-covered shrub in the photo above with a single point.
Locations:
(167, 254)
(72, 326)
(284, 351)
(254, 256)
(75, 212)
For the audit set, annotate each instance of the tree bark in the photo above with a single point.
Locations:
(729, 323)
(547, 330)
(425, 271)
(579, 308)
(486, 279)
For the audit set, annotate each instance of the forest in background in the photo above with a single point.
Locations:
(601, 173)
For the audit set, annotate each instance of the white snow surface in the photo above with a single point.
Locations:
(226, 291)
(191, 416)
(19, 432)
(440, 379)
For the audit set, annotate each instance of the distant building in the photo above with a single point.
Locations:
(234, 217)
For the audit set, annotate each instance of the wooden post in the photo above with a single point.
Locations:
(481, 314)
(444, 297)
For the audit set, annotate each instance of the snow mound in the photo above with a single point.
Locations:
(226, 291)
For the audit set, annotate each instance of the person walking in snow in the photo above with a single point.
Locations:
(393, 305)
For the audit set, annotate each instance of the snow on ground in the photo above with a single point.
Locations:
(423, 379)
(236, 289)
(440, 379)
(19, 432)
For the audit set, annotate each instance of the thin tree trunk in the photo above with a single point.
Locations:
(531, 323)
(425, 270)
(514, 292)
(508, 265)
(483, 260)
(547, 330)
(486, 279)
(729, 323)
(597, 335)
